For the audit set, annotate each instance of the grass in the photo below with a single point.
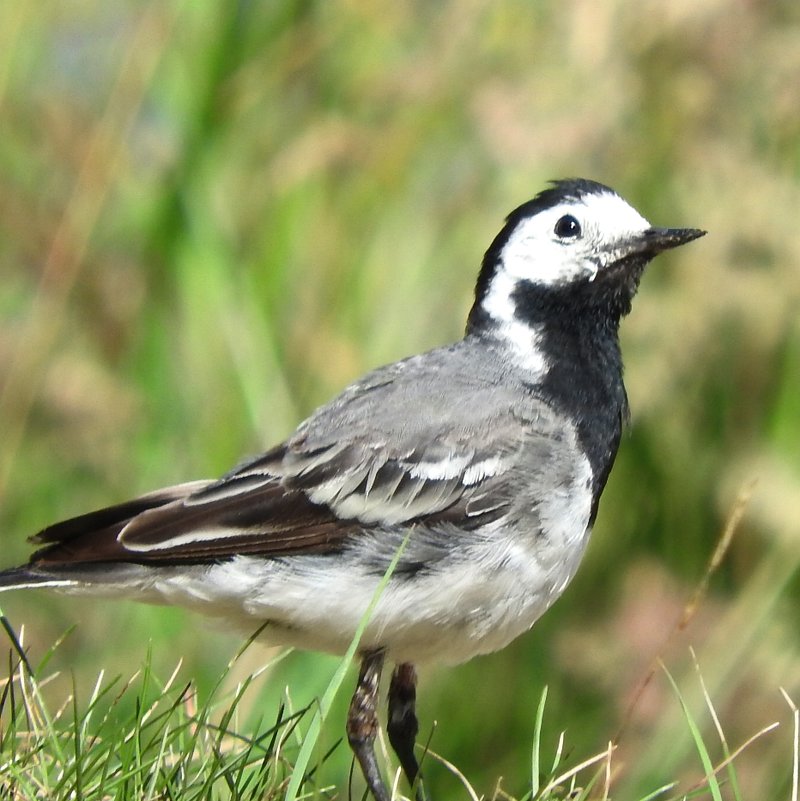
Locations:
(171, 743)
(165, 743)
(215, 215)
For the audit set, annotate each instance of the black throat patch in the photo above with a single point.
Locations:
(577, 328)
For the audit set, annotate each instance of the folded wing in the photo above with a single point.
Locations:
(357, 465)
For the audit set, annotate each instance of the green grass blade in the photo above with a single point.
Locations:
(660, 791)
(536, 765)
(705, 757)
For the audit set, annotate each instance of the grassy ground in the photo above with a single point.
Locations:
(215, 215)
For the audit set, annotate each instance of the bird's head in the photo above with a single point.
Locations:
(576, 246)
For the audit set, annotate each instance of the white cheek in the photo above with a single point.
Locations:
(535, 256)
(534, 253)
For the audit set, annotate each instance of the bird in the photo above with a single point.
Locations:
(474, 470)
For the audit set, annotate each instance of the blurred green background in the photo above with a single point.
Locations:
(214, 215)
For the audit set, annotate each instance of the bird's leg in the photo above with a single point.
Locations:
(362, 722)
(402, 726)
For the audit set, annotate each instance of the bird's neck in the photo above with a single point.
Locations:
(584, 379)
(577, 346)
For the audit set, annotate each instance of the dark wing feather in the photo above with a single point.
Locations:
(269, 520)
(110, 516)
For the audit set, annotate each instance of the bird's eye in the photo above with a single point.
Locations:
(567, 227)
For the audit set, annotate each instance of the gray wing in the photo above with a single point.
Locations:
(396, 448)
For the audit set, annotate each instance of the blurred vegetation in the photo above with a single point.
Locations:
(215, 215)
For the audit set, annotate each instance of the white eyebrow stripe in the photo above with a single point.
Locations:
(610, 212)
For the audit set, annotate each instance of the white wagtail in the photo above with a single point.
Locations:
(486, 458)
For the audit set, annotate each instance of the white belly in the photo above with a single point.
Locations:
(494, 588)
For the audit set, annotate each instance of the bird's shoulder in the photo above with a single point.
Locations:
(463, 387)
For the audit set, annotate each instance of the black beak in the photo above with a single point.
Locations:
(654, 240)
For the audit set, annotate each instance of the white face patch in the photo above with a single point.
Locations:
(535, 253)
